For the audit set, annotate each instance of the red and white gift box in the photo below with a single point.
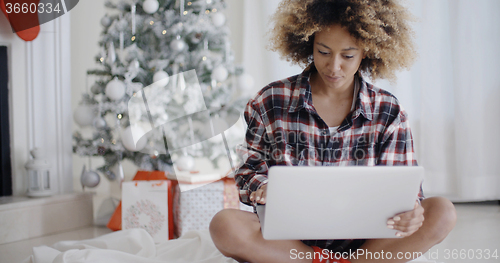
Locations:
(195, 205)
(145, 205)
(115, 222)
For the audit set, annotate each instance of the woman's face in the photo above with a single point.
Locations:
(336, 57)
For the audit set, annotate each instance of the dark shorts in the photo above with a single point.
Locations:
(336, 245)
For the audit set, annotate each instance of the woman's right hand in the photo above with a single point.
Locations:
(259, 196)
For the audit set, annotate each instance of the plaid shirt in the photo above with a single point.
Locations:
(285, 129)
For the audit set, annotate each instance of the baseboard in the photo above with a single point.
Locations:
(23, 218)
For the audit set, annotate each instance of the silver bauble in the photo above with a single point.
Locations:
(90, 179)
(84, 115)
(185, 163)
(150, 6)
(96, 88)
(161, 78)
(105, 21)
(220, 73)
(99, 123)
(115, 89)
(177, 45)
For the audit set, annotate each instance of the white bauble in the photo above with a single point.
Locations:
(220, 73)
(245, 81)
(218, 19)
(115, 89)
(185, 163)
(161, 78)
(128, 140)
(105, 21)
(177, 45)
(90, 179)
(150, 6)
(84, 115)
(99, 123)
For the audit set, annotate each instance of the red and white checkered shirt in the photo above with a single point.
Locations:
(285, 129)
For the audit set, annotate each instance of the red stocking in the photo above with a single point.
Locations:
(26, 25)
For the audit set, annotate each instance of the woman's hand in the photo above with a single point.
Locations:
(409, 222)
(259, 196)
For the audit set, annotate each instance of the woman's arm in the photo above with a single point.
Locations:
(397, 145)
(254, 152)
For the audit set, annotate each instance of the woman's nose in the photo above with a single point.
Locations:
(335, 64)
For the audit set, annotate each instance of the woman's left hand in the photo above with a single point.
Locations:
(407, 223)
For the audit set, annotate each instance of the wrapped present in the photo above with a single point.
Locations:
(145, 205)
(195, 205)
(115, 223)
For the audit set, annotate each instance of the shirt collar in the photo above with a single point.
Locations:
(302, 96)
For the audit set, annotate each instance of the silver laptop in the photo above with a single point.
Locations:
(326, 202)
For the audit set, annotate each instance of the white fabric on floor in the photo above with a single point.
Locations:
(136, 246)
(132, 246)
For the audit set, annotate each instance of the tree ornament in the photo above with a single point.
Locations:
(178, 45)
(111, 53)
(161, 78)
(185, 163)
(96, 88)
(84, 115)
(218, 19)
(115, 89)
(150, 6)
(99, 123)
(101, 150)
(133, 10)
(117, 169)
(245, 81)
(195, 38)
(89, 178)
(105, 21)
(220, 73)
(128, 139)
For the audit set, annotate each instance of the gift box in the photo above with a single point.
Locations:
(196, 205)
(145, 205)
(115, 223)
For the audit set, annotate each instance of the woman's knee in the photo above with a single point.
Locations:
(230, 229)
(441, 213)
(221, 223)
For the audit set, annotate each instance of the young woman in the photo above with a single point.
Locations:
(329, 115)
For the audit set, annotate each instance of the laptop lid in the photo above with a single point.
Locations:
(327, 202)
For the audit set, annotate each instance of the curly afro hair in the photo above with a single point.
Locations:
(380, 27)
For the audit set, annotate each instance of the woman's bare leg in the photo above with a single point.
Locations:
(440, 218)
(237, 235)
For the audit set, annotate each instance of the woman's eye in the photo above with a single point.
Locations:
(349, 57)
(323, 53)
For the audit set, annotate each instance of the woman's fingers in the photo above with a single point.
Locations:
(259, 196)
(407, 223)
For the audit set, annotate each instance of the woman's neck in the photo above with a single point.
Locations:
(319, 88)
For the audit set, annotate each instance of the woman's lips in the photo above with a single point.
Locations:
(333, 79)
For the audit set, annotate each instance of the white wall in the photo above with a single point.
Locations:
(40, 92)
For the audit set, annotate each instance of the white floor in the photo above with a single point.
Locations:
(477, 230)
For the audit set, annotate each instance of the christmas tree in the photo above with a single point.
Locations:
(166, 81)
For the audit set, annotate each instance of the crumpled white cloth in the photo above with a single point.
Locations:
(132, 246)
(137, 246)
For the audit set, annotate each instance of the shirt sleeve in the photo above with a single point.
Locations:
(397, 146)
(254, 152)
